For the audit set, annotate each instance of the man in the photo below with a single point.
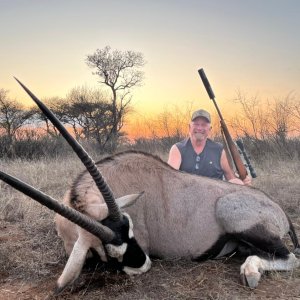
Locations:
(200, 155)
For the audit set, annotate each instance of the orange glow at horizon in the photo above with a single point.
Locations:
(176, 38)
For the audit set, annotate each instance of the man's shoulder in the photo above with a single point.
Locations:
(182, 143)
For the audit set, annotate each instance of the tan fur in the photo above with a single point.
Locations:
(255, 208)
(179, 215)
(176, 216)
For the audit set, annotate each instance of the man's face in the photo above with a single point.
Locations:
(200, 129)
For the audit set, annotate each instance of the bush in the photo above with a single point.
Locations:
(261, 150)
(34, 148)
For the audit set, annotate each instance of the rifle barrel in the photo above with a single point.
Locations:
(209, 91)
(206, 84)
(241, 169)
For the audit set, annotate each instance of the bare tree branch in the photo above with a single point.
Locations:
(120, 72)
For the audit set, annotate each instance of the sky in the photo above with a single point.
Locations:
(251, 46)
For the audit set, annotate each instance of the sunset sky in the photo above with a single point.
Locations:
(252, 46)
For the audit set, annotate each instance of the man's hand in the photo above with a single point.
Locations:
(236, 181)
(246, 181)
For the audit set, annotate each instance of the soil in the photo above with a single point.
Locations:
(175, 279)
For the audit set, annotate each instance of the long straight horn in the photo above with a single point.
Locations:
(89, 224)
(113, 209)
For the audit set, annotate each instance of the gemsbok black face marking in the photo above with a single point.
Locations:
(180, 215)
(124, 246)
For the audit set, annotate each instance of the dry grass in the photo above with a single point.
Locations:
(32, 256)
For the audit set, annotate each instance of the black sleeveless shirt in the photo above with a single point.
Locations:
(207, 163)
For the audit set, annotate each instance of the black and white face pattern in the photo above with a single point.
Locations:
(125, 248)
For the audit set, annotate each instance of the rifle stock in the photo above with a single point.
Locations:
(239, 165)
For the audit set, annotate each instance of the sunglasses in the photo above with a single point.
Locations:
(197, 165)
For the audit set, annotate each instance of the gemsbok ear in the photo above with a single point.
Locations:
(128, 200)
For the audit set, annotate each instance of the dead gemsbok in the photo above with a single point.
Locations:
(178, 215)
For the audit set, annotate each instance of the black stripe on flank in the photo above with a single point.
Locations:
(262, 243)
(215, 249)
(254, 241)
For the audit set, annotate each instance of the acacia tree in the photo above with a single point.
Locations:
(12, 117)
(89, 114)
(55, 104)
(120, 72)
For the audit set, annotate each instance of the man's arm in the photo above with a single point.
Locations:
(229, 174)
(174, 157)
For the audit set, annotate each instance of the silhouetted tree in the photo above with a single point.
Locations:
(55, 104)
(89, 114)
(12, 117)
(120, 72)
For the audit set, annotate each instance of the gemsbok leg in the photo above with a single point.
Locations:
(254, 266)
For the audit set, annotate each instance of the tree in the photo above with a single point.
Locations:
(12, 117)
(89, 114)
(252, 120)
(55, 104)
(120, 72)
(281, 114)
(293, 110)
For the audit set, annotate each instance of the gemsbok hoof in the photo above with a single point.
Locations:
(251, 280)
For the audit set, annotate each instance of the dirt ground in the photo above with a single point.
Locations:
(177, 279)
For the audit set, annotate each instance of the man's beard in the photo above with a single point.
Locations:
(199, 136)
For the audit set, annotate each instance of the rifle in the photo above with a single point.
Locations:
(232, 148)
(248, 165)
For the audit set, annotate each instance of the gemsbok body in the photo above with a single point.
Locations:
(169, 214)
